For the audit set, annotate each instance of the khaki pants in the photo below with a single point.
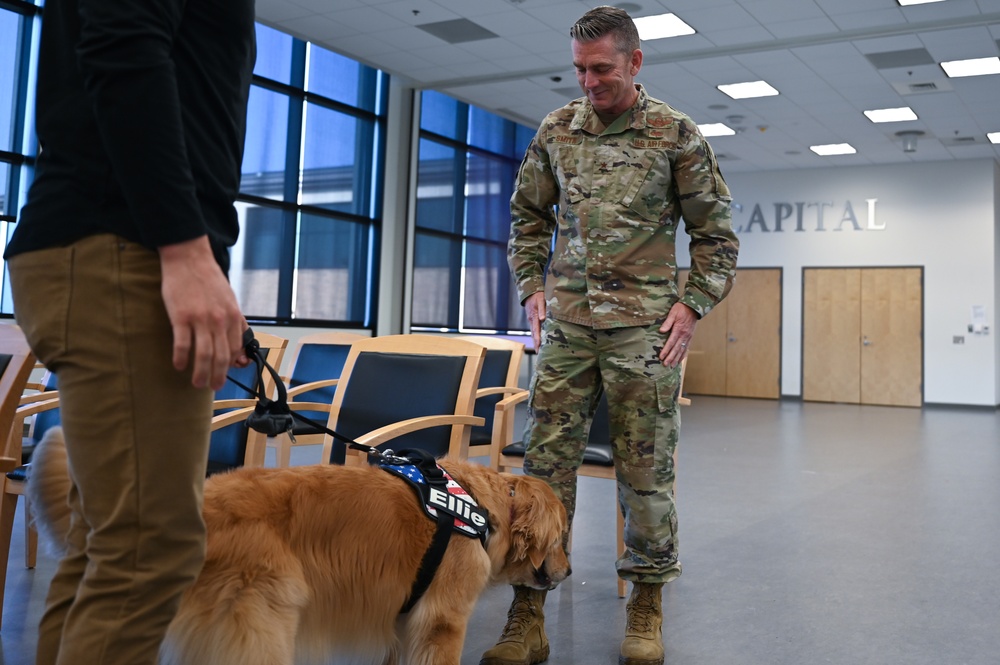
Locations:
(575, 365)
(137, 437)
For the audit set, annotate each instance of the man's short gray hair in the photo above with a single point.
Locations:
(607, 20)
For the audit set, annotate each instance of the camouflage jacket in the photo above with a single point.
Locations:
(620, 193)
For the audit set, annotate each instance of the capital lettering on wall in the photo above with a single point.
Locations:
(807, 216)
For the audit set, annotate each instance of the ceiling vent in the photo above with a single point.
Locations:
(913, 57)
(960, 141)
(458, 31)
(922, 87)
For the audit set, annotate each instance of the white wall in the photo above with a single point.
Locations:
(939, 216)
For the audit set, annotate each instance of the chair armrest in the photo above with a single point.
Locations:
(498, 390)
(231, 417)
(389, 432)
(312, 385)
(503, 426)
(8, 464)
(39, 397)
(36, 407)
(220, 404)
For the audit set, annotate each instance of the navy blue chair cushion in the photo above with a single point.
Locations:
(44, 421)
(228, 446)
(386, 388)
(317, 362)
(494, 375)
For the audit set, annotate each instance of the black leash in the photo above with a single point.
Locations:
(275, 417)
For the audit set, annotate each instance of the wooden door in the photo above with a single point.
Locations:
(753, 337)
(892, 336)
(862, 338)
(736, 349)
(831, 352)
(706, 367)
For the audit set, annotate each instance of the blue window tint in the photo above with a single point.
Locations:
(5, 189)
(437, 196)
(333, 176)
(488, 190)
(256, 259)
(489, 131)
(264, 157)
(332, 75)
(522, 137)
(485, 272)
(463, 194)
(436, 270)
(10, 24)
(332, 272)
(274, 54)
(440, 114)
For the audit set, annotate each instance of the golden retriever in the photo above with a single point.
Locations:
(312, 564)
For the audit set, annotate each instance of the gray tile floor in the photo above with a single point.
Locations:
(810, 533)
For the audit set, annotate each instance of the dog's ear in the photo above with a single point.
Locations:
(534, 523)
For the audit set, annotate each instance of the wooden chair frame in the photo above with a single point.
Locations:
(283, 443)
(511, 383)
(461, 419)
(12, 386)
(273, 348)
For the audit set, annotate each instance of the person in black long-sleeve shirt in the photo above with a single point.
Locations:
(118, 268)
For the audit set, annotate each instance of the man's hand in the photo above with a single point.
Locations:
(679, 328)
(534, 309)
(206, 319)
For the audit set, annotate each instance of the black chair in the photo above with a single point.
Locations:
(316, 365)
(407, 391)
(499, 379)
(233, 444)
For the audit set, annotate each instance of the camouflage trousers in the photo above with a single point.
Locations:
(575, 365)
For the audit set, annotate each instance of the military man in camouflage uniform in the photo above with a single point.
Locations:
(606, 316)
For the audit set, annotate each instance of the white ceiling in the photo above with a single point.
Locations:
(817, 53)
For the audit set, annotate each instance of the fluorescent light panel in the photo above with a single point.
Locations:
(833, 149)
(994, 137)
(973, 67)
(906, 3)
(891, 115)
(748, 89)
(716, 129)
(661, 26)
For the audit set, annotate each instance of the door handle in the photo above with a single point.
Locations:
(865, 341)
(731, 338)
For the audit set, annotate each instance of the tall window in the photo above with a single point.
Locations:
(17, 26)
(310, 196)
(467, 163)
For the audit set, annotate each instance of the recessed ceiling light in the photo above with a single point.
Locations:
(748, 89)
(891, 115)
(716, 129)
(661, 26)
(994, 137)
(973, 67)
(904, 3)
(833, 149)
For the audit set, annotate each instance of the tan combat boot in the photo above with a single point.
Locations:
(523, 640)
(643, 644)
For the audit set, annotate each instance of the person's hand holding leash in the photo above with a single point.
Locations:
(203, 311)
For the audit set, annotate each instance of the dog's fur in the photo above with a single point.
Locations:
(312, 564)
